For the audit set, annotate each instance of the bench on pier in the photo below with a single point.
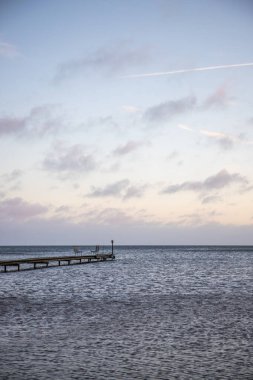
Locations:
(77, 250)
(96, 249)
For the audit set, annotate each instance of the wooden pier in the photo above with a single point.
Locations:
(44, 262)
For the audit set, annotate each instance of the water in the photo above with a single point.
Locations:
(153, 313)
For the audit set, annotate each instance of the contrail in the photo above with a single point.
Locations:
(161, 73)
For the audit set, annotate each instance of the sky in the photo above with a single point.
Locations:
(126, 120)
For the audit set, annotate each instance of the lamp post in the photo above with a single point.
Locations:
(112, 246)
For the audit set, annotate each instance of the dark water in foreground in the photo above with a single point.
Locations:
(154, 313)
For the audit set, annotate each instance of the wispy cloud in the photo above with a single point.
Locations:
(12, 176)
(105, 123)
(12, 125)
(224, 140)
(128, 147)
(134, 192)
(198, 218)
(175, 158)
(19, 209)
(113, 189)
(191, 70)
(250, 121)
(121, 189)
(111, 216)
(8, 50)
(218, 181)
(185, 127)
(131, 109)
(195, 218)
(40, 121)
(109, 60)
(211, 199)
(11, 181)
(69, 160)
(173, 155)
(164, 111)
(220, 98)
(62, 209)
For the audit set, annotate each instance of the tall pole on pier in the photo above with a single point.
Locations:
(112, 246)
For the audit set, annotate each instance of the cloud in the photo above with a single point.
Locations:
(185, 127)
(69, 159)
(223, 179)
(12, 125)
(127, 148)
(122, 189)
(102, 123)
(114, 189)
(211, 199)
(8, 50)
(117, 217)
(108, 60)
(165, 111)
(247, 188)
(114, 216)
(124, 227)
(224, 140)
(18, 209)
(11, 181)
(173, 155)
(171, 108)
(219, 98)
(62, 209)
(12, 176)
(131, 109)
(198, 218)
(134, 192)
(192, 219)
(40, 121)
(218, 181)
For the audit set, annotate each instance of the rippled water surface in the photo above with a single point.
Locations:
(153, 313)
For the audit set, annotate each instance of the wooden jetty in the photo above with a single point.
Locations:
(44, 262)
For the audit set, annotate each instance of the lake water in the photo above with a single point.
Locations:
(156, 312)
